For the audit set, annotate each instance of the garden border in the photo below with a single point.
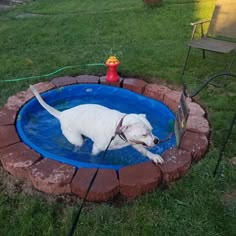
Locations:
(54, 177)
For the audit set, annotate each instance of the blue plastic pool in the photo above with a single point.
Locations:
(41, 131)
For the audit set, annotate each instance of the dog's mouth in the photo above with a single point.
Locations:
(139, 142)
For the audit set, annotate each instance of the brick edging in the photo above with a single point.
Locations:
(54, 177)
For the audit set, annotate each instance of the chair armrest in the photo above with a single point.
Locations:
(200, 22)
(195, 24)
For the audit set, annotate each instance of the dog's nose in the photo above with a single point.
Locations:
(156, 140)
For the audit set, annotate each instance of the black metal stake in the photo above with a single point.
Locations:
(224, 145)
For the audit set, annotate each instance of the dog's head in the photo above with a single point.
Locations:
(138, 130)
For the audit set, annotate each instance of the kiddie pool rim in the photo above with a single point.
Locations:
(56, 157)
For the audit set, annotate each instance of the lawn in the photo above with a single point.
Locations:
(45, 35)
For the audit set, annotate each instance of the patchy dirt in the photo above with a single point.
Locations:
(229, 197)
(13, 186)
(233, 161)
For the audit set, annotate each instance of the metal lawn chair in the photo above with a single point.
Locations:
(221, 34)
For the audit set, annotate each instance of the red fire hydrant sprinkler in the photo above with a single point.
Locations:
(112, 63)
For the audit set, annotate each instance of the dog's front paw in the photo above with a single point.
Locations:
(157, 159)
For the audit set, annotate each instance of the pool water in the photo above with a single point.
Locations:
(41, 131)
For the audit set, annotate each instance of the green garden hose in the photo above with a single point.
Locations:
(50, 74)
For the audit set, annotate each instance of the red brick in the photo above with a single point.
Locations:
(156, 91)
(195, 143)
(198, 124)
(87, 79)
(17, 147)
(105, 186)
(135, 85)
(51, 176)
(16, 101)
(17, 158)
(7, 117)
(8, 136)
(138, 179)
(176, 163)
(63, 81)
(41, 87)
(172, 100)
(195, 109)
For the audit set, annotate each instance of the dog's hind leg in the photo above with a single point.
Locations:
(95, 150)
(73, 138)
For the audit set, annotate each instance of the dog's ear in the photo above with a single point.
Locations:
(144, 119)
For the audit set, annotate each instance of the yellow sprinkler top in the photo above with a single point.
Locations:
(112, 60)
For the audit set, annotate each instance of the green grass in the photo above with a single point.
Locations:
(151, 43)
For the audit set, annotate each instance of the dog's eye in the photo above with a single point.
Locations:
(145, 135)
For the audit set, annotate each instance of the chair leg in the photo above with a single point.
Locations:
(186, 60)
(232, 60)
(203, 54)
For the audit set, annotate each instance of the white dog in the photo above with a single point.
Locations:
(100, 124)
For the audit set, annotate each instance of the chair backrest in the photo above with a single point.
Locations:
(223, 22)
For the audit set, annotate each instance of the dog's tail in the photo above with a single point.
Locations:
(50, 109)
